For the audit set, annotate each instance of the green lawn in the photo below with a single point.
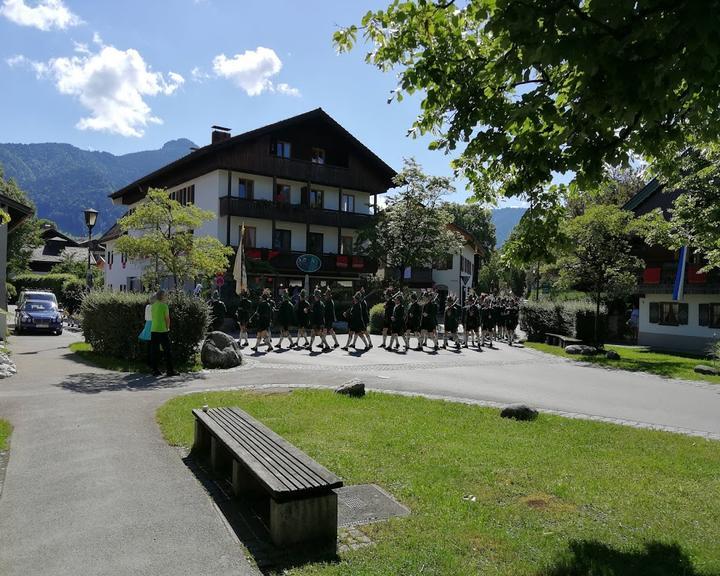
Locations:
(84, 353)
(5, 430)
(554, 497)
(639, 359)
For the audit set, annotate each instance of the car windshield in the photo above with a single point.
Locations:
(47, 296)
(38, 306)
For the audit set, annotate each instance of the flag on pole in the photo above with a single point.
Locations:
(239, 272)
(678, 289)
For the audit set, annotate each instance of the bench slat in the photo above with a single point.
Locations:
(282, 467)
(274, 461)
(292, 461)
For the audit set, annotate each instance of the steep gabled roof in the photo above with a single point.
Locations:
(201, 153)
(643, 194)
(18, 211)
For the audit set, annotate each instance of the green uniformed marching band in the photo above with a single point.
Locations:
(480, 321)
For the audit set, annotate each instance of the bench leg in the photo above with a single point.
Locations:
(243, 483)
(306, 520)
(219, 458)
(201, 442)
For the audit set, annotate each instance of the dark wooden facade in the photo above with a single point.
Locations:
(348, 163)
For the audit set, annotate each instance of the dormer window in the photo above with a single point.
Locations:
(318, 156)
(283, 149)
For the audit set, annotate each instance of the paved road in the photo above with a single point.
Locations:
(92, 488)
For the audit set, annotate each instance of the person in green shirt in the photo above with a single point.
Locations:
(160, 334)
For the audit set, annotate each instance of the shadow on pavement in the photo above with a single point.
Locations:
(248, 527)
(589, 557)
(94, 383)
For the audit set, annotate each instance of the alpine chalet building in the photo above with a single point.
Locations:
(303, 185)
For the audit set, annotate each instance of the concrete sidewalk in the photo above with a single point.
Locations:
(91, 486)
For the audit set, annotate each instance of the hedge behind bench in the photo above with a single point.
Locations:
(111, 322)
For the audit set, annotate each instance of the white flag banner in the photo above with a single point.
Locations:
(239, 272)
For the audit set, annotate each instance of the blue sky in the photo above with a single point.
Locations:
(131, 75)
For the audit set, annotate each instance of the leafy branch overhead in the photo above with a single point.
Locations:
(161, 230)
(522, 90)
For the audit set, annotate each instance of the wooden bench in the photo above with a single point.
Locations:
(292, 493)
(560, 339)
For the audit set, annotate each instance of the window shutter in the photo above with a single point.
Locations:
(682, 314)
(704, 315)
(250, 188)
(654, 312)
(304, 196)
(273, 146)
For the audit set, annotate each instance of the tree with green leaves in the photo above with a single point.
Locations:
(477, 220)
(618, 185)
(413, 229)
(160, 231)
(497, 274)
(71, 264)
(529, 89)
(538, 237)
(598, 256)
(23, 238)
(694, 219)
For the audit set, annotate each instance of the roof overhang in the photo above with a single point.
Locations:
(18, 211)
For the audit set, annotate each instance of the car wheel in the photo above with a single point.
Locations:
(58, 333)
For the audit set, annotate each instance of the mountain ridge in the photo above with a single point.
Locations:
(56, 175)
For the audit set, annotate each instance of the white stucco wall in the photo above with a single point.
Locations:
(691, 329)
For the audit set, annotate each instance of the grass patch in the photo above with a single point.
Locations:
(84, 353)
(639, 359)
(5, 430)
(555, 496)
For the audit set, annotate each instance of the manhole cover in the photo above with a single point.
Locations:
(366, 503)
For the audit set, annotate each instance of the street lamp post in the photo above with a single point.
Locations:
(90, 219)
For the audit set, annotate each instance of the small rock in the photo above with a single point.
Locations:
(220, 351)
(706, 370)
(519, 412)
(354, 388)
(612, 355)
(581, 349)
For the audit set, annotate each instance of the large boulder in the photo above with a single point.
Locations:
(354, 388)
(581, 349)
(220, 351)
(706, 370)
(519, 412)
(612, 355)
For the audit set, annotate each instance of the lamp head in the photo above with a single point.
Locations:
(90, 217)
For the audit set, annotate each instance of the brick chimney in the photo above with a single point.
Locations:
(219, 134)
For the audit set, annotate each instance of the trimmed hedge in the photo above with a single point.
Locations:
(11, 292)
(570, 318)
(71, 295)
(51, 282)
(111, 322)
(377, 318)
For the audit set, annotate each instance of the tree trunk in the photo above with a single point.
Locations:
(537, 281)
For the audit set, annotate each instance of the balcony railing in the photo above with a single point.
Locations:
(286, 262)
(284, 211)
(660, 277)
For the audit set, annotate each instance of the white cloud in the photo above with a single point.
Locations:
(199, 75)
(287, 89)
(111, 84)
(253, 71)
(44, 15)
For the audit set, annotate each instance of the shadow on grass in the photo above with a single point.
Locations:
(94, 383)
(591, 558)
(248, 526)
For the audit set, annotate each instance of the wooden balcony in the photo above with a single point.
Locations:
(332, 264)
(659, 278)
(283, 211)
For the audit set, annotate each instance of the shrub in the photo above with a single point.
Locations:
(11, 292)
(71, 295)
(111, 322)
(377, 317)
(51, 282)
(567, 318)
